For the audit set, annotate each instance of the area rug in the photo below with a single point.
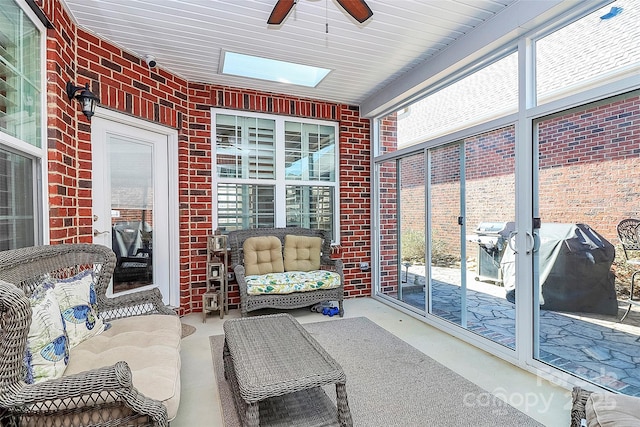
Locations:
(390, 383)
(187, 330)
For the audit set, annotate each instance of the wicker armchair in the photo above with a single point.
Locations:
(578, 413)
(287, 301)
(104, 396)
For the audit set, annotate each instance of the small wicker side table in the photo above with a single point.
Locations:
(276, 371)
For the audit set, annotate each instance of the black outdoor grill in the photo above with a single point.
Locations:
(492, 238)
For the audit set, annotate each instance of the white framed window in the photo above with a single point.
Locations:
(274, 171)
(22, 157)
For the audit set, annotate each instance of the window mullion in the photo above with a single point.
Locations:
(280, 201)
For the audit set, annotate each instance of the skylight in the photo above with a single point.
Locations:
(269, 69)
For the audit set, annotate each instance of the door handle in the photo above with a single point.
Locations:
(529, 236)
(511, 241)
(97, 233)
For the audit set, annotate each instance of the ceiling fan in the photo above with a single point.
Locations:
(358, 9)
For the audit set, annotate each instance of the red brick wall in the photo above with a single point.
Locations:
(354, 178)
(589, 172)
(445, 197)
(490, 186)
(590, 165)
(388, 216)
(412, 190)
(124, 83)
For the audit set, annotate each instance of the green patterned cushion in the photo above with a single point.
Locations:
(292, 281)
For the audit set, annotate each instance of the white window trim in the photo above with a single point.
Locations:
(279, 182)
(37, 154)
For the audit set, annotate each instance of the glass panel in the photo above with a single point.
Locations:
(20, 96)
(245, 147)
(588, 51)
(309, 152)
(489, 217)
(486, 94)
(411, 286)
(588, 177)
(132, 208)
(389, 254)
(17, 219)
(447, 278)
(310, 207)
(245, 206)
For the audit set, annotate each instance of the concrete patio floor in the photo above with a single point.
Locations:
(542, 400)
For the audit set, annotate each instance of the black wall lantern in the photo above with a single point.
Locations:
(85, 97)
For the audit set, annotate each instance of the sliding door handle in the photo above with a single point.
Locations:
(511, 241)
(530, 237)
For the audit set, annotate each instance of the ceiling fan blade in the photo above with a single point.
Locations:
(358, 9)
(280, 11)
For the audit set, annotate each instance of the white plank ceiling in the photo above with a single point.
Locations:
(187, 37)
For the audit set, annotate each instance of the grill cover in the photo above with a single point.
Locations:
(575, 270)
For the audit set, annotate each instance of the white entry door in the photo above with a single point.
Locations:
(133, 190)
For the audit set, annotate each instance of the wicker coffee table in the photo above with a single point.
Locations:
(276, 370)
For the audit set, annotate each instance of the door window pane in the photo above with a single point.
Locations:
(489, 194)
(20, 95)
(17, 219)
(448, 281)
(388, 251)
(132, 200)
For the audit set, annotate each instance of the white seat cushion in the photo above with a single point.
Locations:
(610, 409)
(151, 347)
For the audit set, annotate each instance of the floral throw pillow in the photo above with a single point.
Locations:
(47, 352)
(77, 299)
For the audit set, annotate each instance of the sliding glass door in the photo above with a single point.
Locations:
(447, 248)
(402, 221)
(452, 205)
(587, 175)
(471, 218)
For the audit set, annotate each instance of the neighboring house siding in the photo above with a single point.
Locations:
(124, 83)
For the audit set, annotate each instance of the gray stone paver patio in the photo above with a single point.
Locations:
(593, 347)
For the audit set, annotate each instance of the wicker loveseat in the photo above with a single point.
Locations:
(296, 299)
(128, 374)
